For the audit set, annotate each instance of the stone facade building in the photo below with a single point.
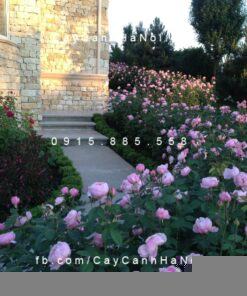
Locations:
(54, 54)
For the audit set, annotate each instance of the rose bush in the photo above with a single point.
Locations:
(29, 165)
(149, 220)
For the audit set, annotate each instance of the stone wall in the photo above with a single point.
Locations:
(69, 44)
(9, 69)
(58, 52)
(24, 31)
(74, 92)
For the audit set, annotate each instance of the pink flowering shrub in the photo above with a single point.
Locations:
(148, 221)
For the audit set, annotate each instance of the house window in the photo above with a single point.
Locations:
(3, 17)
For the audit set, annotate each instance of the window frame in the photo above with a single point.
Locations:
(6, 37)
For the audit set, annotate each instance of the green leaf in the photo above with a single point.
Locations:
(87, 267)
(150, 205)
(50, 234)
(116, 236)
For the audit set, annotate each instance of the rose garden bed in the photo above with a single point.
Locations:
(192, 203)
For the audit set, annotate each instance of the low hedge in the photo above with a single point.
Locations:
(69, 177)
(127, 152)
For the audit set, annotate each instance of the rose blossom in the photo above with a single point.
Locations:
(231, 143)
(2, 226)
(225, 197)
(156, 193)
(58, 255)
(162, 169)
(98, 240)
(162, 214)
(168, 179)
(137, 231)
(7, 238)
(209, 182)
(150, 249)
(241, 196)
(170, 269)
(140, 168)
(20, 221)
(98, 190)
(186, 171)
(182, 156)
(15, 200)
(125, 201)
(241, 180)
(65, 191)
(133, 178)
(231, 173)
(126, 186)
(74, 192)
(204, 226)
(73, 219)
(59, 201)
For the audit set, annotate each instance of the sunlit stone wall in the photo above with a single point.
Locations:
(57, 51)
(9, 69)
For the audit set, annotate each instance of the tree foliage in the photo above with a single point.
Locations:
(219, 25)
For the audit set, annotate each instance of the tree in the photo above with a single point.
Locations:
(219, 25)
(116, 54)
(151, 48)
(162, 47)
(193, 61)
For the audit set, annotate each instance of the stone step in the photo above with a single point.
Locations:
(67, 125)
(67, 118)
(87, 137)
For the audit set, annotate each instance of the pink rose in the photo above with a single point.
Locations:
(98, 240)
(15, 200)
(209, 182)
(133, 179)
(150, 249)
(74, 192)
(196, 121)
(58, 255)
(241, 196)
(126, 186)
(20, 221)
(130, 117)
(241, 180)
(170, 269)
(231, 143)
(186, 171)
(73, 219)
(225, 197)
(59, 201)
(137, 231)
(168, 179)
(125, 201)
(231, 173)
(140, 168)
(162, 214)
(65, 191)
(156, 193)
(182, 156)
(7, 238)
(204, 226)
(98, 190)
(162, 169)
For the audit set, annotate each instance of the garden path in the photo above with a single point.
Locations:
(98, 164)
